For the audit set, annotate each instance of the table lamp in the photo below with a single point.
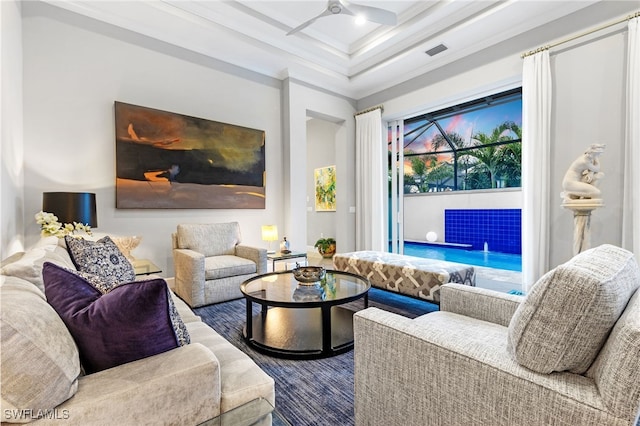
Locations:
(270, 233)
(71, 207)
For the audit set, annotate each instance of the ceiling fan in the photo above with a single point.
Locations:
(337, 7)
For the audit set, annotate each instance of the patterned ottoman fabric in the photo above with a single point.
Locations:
(413, 276)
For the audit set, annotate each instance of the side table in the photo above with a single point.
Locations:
(279, 256)
(145, 267)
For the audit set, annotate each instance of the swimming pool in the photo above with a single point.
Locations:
(511, 262)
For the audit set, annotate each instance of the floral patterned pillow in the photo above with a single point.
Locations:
(103, 284)
(102, 258)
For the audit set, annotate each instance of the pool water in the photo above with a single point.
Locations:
(510, 262)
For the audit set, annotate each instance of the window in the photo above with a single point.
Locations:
(475, 145)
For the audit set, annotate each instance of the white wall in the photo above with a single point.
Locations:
(321, 140)
(468, 84)
(74, 70)
(425, 212)
(11, 146)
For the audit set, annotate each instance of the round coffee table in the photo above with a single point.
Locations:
(299, 320)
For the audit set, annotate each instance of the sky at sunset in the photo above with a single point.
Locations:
(467, 124)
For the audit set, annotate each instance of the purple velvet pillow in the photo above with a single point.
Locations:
(128, 323)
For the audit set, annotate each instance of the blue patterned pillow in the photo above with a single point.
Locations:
(103, 284)
(102, 258)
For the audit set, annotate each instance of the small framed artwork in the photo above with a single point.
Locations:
(166, 160)
(325, 188)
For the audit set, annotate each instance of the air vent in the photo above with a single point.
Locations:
(435, 50)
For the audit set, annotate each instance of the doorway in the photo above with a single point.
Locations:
(321, 154)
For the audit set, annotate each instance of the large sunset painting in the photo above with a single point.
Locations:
(166, 160)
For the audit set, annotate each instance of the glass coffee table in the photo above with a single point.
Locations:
(254, 413)
(302, 320)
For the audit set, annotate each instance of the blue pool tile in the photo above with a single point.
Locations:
(499, 228)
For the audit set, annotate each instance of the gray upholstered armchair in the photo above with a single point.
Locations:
(210, 263)
(566, 354)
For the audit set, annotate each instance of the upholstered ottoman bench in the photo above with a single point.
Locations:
(409, 275)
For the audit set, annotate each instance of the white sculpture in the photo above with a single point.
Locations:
(582, 176)
(581, 194)
(126, 244)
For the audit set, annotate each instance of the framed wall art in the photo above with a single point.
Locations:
(166, 160)
(325, 188)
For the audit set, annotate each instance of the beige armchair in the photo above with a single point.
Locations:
(566, 354)
(210, 263)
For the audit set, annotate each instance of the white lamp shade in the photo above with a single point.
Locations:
(269, 233)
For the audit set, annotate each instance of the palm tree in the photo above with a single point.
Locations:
(452, 140)
(418, 165)
(441, 171)
(492, 156)
(511, 162)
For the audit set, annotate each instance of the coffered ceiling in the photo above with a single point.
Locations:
(333, 52)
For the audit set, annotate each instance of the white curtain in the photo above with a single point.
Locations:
(631, 195)
(370, 174)
(536, 146)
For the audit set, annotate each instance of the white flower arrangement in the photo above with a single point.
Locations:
(51, 227)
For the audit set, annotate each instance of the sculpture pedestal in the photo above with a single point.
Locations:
(582, 209)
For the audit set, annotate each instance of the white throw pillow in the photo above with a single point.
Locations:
(29, 266)
(40, 361)
(565, 320)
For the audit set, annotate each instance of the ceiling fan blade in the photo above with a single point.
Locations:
(309, 22)
(371, 14)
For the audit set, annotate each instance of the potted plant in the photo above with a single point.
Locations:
(326, 246)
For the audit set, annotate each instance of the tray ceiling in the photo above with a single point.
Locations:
(333, 52)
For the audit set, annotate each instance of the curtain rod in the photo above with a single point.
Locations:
(369, 110)
(549, 46)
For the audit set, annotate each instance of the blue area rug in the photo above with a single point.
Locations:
(309, 392)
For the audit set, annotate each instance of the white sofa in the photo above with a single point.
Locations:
(41, 372)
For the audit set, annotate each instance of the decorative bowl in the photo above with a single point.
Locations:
(308, 293)
(308, 274)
